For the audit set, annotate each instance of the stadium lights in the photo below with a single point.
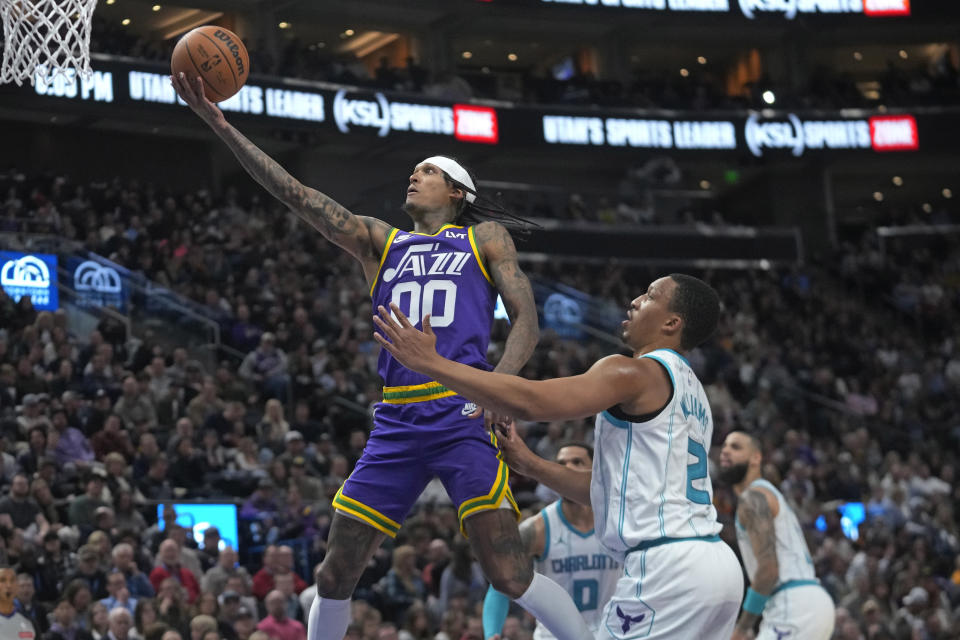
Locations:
(927, 207)
(125, 21)
(111, 1)
(704, 184)
(878, 196)
(769, 97)
(898, 181)
(349, 32)
(156, 8)
(284, 25)
(701, 60)
(903, 54)
(512, 57)
(857, 56)
(947, 193)
(684, 72)
(466, 55)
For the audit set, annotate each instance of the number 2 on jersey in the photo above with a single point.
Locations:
(696, 471)
(420, 301)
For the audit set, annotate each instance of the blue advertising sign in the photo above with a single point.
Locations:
(97, 285)
(197, 518)
(33, 275)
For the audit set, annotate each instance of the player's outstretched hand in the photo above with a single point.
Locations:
(414, 349)
(192, 93)
(516, 453)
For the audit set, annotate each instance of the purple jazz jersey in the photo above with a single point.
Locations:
(440, 275)
(421, 429)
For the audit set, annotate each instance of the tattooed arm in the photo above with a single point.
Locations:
(756, 514)
(500, 255)
(533, 535)
(361, 237)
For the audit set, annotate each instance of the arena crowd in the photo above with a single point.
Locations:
(848, 368)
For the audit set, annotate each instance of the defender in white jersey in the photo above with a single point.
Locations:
(650, 489)
(562, 541)
(13, 624)
(783, 585)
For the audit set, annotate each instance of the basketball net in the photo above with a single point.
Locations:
(51, 37)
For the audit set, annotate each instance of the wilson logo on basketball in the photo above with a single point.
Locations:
(894, 133)
(886, 7)
(232, 47)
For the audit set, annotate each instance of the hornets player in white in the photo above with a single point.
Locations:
(563, 544)
(650, 488)
(783, 586)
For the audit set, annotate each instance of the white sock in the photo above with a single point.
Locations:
(328, 619)
(552, 605)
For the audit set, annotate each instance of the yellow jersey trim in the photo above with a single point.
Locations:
(383, 258)
(367, 514)
(435, 233)
(499, 492)
(476, 254)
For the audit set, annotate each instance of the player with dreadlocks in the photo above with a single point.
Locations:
(422, 430)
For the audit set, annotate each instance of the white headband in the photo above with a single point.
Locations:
(453, 169)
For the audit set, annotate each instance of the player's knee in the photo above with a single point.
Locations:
(333, 583)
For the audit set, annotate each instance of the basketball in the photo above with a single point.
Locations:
(215, 54)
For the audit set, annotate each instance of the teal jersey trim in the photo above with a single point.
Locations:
(617, 422)
(564, 520)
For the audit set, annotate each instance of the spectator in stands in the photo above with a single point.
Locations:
(266, 367)
(171, 603)
(229, 423)
(119, 594)
(245, 624)
(169, 567)
(188, 556)
(206, 403)
(29, 460)
(26, 604)
(22, 510)
(135, 408)
(79, 594)
(146, 451)
(99, 621)
(285, 585)
(65, 624)
(188, 468)
(215, 579)
(262, 505)
(155, 485)
(72, 451)
(462, 576)
(200, 625)
(144, 616)
(402, 586)
(263, 580)
(137, 583)
(120, 624)
(89, 573)
(112, 438)
(276, 624)
(211, 548)
(83, 507)
(273, 428)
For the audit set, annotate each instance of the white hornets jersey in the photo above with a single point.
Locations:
(650, 481)
(576, 562)
(793, 556)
